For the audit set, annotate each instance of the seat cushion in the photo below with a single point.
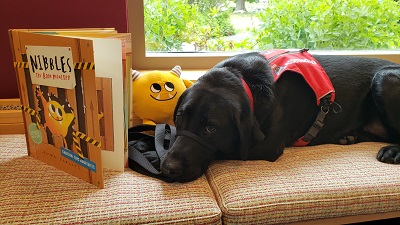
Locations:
(34, 192)
(306, 183)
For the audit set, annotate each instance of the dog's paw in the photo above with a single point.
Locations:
(389, 154)
(348, 140)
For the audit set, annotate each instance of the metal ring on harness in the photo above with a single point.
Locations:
(322, 110)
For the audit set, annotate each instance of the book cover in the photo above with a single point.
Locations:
(72, 87)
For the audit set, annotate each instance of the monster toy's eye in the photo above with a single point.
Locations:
(52, 109)
(59, 112)
(155, 88)
(169, 86)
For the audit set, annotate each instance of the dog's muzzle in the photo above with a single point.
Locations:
(198, 139)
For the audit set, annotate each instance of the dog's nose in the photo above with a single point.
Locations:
(171, 169)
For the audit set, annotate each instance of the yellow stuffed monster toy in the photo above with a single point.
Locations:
(155, 94)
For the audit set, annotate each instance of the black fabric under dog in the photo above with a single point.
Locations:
(147, 151)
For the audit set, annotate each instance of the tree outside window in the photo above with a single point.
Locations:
(237, 25)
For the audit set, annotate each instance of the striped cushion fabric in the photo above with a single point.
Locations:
(306, 183)
(33, 192)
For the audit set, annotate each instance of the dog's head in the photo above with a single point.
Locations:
(212, 117)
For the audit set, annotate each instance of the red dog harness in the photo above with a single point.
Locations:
(303, 63)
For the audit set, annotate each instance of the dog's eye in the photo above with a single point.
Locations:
(210, 129)
(169, 86)
(155, 88)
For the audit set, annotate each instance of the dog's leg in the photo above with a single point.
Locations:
(361, 136)
(385, 91)
(268, 149)
(348, 140)
(389, 154)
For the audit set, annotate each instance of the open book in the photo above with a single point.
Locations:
(75, 93)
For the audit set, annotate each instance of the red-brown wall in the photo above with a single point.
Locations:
(41, 14)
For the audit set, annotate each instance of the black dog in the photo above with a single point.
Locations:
(214, 118)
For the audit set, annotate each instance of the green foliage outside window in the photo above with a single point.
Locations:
(170, 23)
(322, 24)
(330, 24)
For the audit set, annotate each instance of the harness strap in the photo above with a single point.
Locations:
(317, 125)
(197, 139)
(164, 138)
(249, 94)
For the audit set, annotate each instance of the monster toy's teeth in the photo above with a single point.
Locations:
(170, 96)
(158, 97)
(60, 122)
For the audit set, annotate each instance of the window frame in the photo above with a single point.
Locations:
(203, 61)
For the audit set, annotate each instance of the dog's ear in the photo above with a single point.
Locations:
(249, 131)
(180, 99)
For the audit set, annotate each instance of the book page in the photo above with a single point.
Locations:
(108, 59)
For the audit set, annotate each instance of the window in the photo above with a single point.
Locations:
(205, 60)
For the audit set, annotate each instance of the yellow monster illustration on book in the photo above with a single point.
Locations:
(58, 118)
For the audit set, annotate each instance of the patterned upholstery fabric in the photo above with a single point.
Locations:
(32, 192)
(306, 183)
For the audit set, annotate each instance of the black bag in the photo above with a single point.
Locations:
(147, 151)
